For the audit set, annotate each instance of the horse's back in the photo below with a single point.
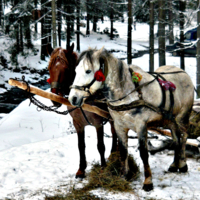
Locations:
(168, 68)
(184, 92)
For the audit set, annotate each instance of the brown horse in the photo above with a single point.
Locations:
(62, 72)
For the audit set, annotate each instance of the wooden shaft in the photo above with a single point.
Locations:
(59, 99)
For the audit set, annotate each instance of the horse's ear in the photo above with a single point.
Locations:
(71, 48)
(101, 50)
(49, 48)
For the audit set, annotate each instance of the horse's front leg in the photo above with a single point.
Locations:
(81, 146)
(114, 138)
(100, 145)
(122, 134)
(142, 137)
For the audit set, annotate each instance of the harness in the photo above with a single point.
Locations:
(139, 103)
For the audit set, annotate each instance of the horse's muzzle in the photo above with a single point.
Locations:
(56, 91)
(75, 101)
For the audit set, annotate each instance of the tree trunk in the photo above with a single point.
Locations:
(36, 14)
(53, 7)
(88, 19)
(68, 26)
(161, 32)
(21, 36)
(1, 11)
(182, 21)
(43, 34)
(171, 23)
(94, 24)
(129, 39)
(78, 26)
(151, 37)
(111, 24)
(198, 52)
(27, 34)
(59, 3)
(17, 37)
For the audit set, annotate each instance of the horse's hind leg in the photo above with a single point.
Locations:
(179, 133)
(176, 137)
(183, 127)
(100, 145)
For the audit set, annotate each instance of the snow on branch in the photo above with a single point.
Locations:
(65, 13)
(41, 17)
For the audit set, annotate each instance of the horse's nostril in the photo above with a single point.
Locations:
(74, 99)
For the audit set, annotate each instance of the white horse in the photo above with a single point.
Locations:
(137, 106)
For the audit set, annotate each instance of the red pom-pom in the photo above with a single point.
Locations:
(99, 76)
(49, 80)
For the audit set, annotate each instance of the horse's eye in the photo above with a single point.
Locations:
(88, 71)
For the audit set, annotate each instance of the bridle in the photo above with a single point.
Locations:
(86, 87)
(57, 85)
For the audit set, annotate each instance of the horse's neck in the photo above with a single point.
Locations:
(119, 82)
(70, 75)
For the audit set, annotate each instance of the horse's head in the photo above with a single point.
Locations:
(61, 69)
(90, 75)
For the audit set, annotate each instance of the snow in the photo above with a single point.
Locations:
(39, 152)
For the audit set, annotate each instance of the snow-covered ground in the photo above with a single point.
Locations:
(39, 153)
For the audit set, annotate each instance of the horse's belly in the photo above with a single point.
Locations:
(133, 119)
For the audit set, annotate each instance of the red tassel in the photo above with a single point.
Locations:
(99, 76)
(49, 80)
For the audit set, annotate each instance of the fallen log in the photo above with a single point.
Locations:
(168, 133)
(59, 99)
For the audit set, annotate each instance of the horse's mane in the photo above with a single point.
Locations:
(61, 53)
(88, 54)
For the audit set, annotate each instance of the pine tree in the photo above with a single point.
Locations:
(129, 40)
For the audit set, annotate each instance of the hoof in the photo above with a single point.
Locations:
(173, 169)
(80, 174)
(183, 169)
(148, 187)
